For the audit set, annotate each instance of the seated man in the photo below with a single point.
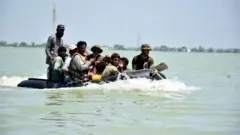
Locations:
(65, 68)
(77, 65)
(107, 59)
(57, 74)
(125, 63)
(96, 53)
(143, 60)
(111, 68)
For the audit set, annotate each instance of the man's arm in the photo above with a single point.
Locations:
(66, 64)
(150, 62)
(134, 63)
(48, 46)
(106, 72)
(100, 58)
(80, 64)
(109, 71)
(57, 64)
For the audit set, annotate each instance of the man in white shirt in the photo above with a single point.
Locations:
(57, 74)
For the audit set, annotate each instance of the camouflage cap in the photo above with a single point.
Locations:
(98, 47)
(146, 47)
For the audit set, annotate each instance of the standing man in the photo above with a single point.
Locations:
(53, 43)
(143, 60)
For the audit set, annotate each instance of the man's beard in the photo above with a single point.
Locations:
(59, 35)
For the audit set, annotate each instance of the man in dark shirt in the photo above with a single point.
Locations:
(143, 60)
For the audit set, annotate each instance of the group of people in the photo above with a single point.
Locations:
(79, 66)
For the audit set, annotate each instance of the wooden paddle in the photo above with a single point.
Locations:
(160, 67)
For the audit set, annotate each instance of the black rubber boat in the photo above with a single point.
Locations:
(43, 83)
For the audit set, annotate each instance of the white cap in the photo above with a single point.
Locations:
(72, 47)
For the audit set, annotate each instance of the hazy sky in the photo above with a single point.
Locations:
(171, 22)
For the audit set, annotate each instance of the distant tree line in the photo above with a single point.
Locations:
(163, 48)
(21, 44)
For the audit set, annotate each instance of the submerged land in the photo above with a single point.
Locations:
(163, 48)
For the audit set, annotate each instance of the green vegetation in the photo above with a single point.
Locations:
(22, 44)
(162, 48)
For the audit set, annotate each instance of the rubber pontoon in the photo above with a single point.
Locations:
(44, 83)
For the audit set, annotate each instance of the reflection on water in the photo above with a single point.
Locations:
(57, 117)
(98, 112)
(73, 108)
(58, 97)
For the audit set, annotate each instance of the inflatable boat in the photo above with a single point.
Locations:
(153, 74)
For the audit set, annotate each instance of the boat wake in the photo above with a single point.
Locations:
(13, 81)
(171, 87)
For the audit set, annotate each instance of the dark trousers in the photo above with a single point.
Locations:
(49, 72)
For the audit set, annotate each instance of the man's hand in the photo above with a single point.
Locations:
(96, 62)
(92, 60)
